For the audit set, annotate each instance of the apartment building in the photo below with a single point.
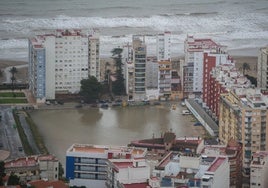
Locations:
(34, 167)
(163, 46)
(193, 69)
(127, 172)
(221, 79)
(86, 165)
(152, 71)
(233, 150)
(139, 59)
(164, 77)
(262, 74)
(188, 170)
(244, 117)
(259, 170)
(59, 61)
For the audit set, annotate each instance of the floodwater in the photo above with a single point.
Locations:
(113, 126)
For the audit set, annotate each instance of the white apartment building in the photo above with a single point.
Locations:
(193, 171)
(86, 165)
(163, 46)
(194, 59)
(259, 170)
(59, 61)
(262, 74)
(128, 68)
(127, 172)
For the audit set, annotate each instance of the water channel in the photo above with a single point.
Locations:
(113, 126)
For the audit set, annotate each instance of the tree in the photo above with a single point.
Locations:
(90, 89)
(2, 172)
(13, 71)
(245, 67)
(13, 179)
(118, 87)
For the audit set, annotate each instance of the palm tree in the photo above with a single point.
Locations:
(245, 67)
(13, 71)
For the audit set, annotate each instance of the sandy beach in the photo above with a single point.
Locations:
(22, 73)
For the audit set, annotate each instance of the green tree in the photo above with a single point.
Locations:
(90, 89)
(13, 179)
(13, 71)
(118, 87)
(2, 172)
(245, 67)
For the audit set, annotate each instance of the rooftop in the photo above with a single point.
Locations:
(216, 164)
(46, 184)
(137, 185)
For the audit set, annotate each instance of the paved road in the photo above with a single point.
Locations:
(9, 135)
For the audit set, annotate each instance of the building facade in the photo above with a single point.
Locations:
(59, 61)
(86, 165)
(193, 70)
(164, 77)
(244, 117)
(34, 168)
(259, 170)
(262, 74)
(163, 46)
(139, 58)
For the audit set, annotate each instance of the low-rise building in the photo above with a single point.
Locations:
(86, 165)
(34, 168)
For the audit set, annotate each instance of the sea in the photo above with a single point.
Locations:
(239, 24)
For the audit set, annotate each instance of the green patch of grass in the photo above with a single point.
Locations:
(11, 94)
(12, 100)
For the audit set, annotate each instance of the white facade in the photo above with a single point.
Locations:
(163, 45)
(194, 59)
(259, 170)
(262, 80)
(69, 56)
(127, 171)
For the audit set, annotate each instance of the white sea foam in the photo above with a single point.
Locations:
(237, 30)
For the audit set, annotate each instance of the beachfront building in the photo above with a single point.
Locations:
(59, 61)
(152, 70)
(188, 170)
(259, 170)
(243, 117)
(163, 46)
(123, 173)
(221, 79)
(164, 79)
(233, 150)
(193, 70)
(34, 167)
(262, 74)
(175, 85)
(139, 59)
(86, 165)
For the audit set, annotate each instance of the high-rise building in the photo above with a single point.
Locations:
(139, 58)
(164, 79)
(193, 71)
(259, 170)
(262, 75)
(221, 79)
(86, 165)
(59, 61)
(244, 117)
(163, 46)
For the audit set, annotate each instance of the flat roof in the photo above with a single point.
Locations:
(123, 164)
